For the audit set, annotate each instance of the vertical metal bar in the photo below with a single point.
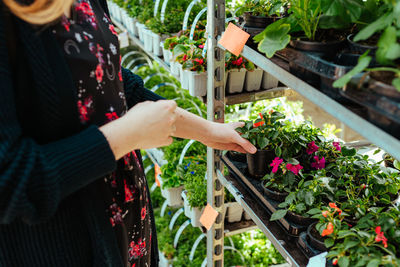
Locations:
(215, 112)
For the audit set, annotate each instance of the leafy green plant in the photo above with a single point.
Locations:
(196, 184)
(262, 7)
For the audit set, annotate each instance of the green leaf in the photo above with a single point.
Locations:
(374, 263)
(329, 242)
(348, 152)
(388, 49)
(309, 198)
(374, 27)
(396, 164)
(290, 198)
(279, 214)
(343, 261)
(351, 243)
(363, 63)
(396, 83)
(293, 161)
(274, 38)
(314, 211)
(278, 151)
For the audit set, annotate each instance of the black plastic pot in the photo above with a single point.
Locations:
(253, 32)
(236, 156)
(304, 74)
(313, 240)
(383, 89)
(259, 162)
(257, 21)
(359, 48)
(328, 48)
(298, 219)
(274, 195)
(388, 163)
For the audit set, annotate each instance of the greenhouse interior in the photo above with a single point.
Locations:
(316, 84)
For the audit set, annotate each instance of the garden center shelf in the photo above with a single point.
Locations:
(371, 132)
(258, 95)
(283, 242)
(140, 44)
(239, 227)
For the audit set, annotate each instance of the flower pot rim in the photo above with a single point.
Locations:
(308, 42)
(350, 38)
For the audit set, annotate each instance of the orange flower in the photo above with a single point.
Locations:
(380, 236)
(328, 230)
(335, 262)
(333, 206)
(325, 213)
(258, 124)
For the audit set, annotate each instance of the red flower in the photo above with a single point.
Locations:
(294, 168)
(134, 265)
(275, 164)
(99, 73)
(325, 213)
(112, 222)
(200, 61)
(111, 116)
(258, 124)
(184, 57)
(337, 146)
(328, 230)
(85, 8)
(333, 206)
(201, 46)
(66, 23)
(143, 213)
(380, 236)
(128, 193)
(335, 262)
(312, 148)
(319, 164)
(112, 29)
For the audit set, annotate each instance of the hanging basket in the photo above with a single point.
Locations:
(253, 80)
(234, 212)
(172, 195)
(193, 214)
(269, 81)
(235, 80)
(198, 83)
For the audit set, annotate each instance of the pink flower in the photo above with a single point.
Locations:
(275, 164)
(294, 168)
(201, 46)
(184, 57)
(319, 164)
(312, 148)
(200, 61)
(380, 236)
(337, 146)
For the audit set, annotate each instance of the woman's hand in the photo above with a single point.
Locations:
(146, 125)
(225, 137)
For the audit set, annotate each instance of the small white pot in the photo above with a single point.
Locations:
(269, 81)
(235, 80)
(193, 214)
(246, 216)
(147, 40)
(157, 40)
(253, 80)
(117, 13)
(234, 212)
(172, 195)
(140, 27)
(185, 76)
(175, 68)
(198, 83)
(166, 54)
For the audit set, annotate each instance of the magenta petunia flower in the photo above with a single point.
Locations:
(275, 164)
(319, 164)
(337, 146)
(294, 168)
(312, 148)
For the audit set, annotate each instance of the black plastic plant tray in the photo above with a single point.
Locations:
(253, 186)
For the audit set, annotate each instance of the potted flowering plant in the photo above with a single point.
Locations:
(235, 73)
(195, 66)
(262, 133)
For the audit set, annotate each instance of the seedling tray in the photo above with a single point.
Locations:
(253, 186)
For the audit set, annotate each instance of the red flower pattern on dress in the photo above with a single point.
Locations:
(143, 213)
(66, 23)
(85, 10)
(128, 193)
(112, 29)
(99, 73)
(111, 116)
(85, 109)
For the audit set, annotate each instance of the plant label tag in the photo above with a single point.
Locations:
(123, 39)
(208, 217)
(157, 172)
(317, 261)
(234, 39)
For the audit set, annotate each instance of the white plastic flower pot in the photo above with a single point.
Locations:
(235, 80)
(172, 195)
(253, 80)
(163, 260)
(184, 77)
(175, 68)
(140, 28)
(147, 40)
(198, 83)
(269, 81)
(246, 216)
(117, 13)
(166, 54)
(234, 212)
(134, 28)
(157, 40)
(193, 214)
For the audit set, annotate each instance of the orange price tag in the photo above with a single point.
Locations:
(234, 39)
(208, 217)
(157, 172)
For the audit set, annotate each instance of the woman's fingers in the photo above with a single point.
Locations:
(245, 144)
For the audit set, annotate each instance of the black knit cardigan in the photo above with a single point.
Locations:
(50, 212)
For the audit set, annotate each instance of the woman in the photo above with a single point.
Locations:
(72, 187)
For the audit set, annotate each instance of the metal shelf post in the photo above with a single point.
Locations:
(215, 112)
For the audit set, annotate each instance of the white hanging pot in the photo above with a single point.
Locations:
(234, 212)
(269, 81)
(253, 80)
(140, 30)
(184, 77)
(148, 40)
(172, 195)
(157, 40)
(235, 80)
(193, 214)
(175, 68)
(198, 83)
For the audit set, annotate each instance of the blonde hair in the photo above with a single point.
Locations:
(40, 11)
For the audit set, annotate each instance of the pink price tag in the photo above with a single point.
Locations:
(234, 39)
(208, 217)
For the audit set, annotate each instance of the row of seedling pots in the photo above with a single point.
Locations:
(233, 212)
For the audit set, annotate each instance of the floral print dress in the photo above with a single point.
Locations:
(91, 48)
